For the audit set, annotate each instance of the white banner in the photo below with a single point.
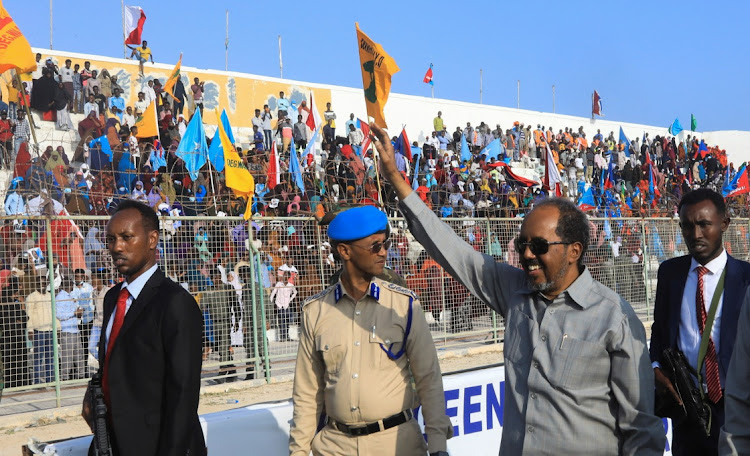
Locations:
(473, 401)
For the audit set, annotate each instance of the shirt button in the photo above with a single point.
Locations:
(533, 395)
(357, 312)
(356, 344)
(355, 376)
(354, 409)
(536, 365)
(544, 338)
(530, 429)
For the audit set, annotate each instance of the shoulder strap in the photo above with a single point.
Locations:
(709, 326)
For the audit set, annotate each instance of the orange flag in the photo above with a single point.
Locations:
(147, 123)
(15, 51)
(377, 68)
(172, 80)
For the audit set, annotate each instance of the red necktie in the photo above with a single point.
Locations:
(122, 300)
(712, 366)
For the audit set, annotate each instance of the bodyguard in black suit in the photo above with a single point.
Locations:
(681, 281)
(150, 351)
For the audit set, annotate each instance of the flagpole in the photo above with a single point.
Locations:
(226, 45)
(480, 86)
(50, 25)
(124, 46)
(281, 63)
(211, 180)
(553, 99)
(518, 94)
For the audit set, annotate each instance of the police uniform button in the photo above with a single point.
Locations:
(326, 347)
(355, 376)
(356, 344)
(354, 409)
(387, 341)
(357, 312)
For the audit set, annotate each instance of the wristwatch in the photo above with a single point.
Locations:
(440, 453)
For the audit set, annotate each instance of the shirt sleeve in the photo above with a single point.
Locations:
(425, 368)
(308, 391)
(492, 282)
(735, 434)
(632, 378)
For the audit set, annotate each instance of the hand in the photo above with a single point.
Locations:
(79, 312)
(388, 161)
(662, 380)
(87, 409)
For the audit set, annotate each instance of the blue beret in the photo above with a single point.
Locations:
(357, 223)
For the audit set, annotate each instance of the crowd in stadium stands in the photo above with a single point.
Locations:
(90, 182)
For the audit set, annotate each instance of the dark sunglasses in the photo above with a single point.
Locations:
(376, 247)
(538, 246)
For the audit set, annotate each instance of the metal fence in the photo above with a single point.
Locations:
(250, 280)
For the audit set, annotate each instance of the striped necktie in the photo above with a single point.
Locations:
(712, 365)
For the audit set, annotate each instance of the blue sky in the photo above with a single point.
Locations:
(650, 61)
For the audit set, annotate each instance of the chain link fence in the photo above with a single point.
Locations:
(250, 280)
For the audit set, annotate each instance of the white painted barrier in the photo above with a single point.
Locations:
(473, 401)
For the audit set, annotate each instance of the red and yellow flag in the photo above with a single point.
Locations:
(377, 69)
(173, 77)
(15, 51)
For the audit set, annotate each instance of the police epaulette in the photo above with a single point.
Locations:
(319, 295)
(402, 290)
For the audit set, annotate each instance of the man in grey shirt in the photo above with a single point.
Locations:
(578, 379)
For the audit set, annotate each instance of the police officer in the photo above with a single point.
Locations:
(362, 343)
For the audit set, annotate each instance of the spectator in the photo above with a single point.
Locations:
(330, 118)
(266, 121)
(143, 54)
(300, 133)
(62, 101)
(197, 89)
(117, 105)
(282, 295)
(39, 310)
(282, 105)
(78, 97)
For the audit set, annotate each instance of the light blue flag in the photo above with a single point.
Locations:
(193, 149)
(102, 142)
(675, 128)
(625, 141)
(311, 144)
(294, 168)
(216, 151)
(415, 179)
(492, 150)
(465, 152)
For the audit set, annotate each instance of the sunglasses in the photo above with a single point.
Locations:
(538, 246)
(376, 247)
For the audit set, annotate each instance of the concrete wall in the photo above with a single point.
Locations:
(736, 143)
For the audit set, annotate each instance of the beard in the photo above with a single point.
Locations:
(546, 286)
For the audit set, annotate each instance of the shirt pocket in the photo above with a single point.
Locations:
(579, 364)
(332, 348)
(518, 346)
(390, 338)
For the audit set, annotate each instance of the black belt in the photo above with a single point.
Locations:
(371, 428)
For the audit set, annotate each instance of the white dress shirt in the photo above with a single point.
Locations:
(690, 337)
(134, 289)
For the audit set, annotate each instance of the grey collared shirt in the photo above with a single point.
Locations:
(578, 379)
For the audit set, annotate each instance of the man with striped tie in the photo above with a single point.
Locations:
(151, 346)
(691, 290)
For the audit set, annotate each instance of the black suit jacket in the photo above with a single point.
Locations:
(154, 371)
(669, 289)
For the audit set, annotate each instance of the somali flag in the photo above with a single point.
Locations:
(492, 150)
(586, 202)
(295, 169)
(215, 151)
(465, 152)
(193, 149)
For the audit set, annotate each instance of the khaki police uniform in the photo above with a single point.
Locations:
(345, 370)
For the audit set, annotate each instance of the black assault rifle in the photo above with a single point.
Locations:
(102, 446)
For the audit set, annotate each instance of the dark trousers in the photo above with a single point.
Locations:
(268, 139)
(85, 330)
(688, 440)
(282, 323)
